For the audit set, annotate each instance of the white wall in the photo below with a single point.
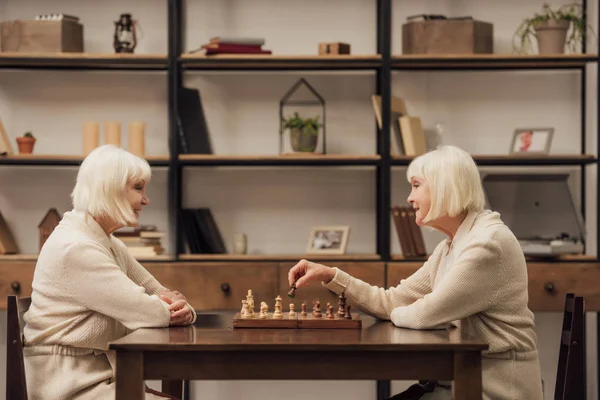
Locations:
(480, 110)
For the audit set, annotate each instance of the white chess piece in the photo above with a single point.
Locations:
(245, 312)
(264, 310)
(277, 314)
(242, 310)
(250, 301)
(292, 312)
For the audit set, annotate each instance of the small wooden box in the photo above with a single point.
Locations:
(334, 48)
(41, 36)
(447, 37)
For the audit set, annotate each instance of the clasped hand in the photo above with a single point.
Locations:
(181, 313)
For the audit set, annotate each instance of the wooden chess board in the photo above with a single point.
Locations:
(297, 322)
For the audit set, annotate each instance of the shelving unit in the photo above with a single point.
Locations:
(175, 64)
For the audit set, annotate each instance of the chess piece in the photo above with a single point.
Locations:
(277, 314)
(292, 292)
(292, 312)
(341, 304)
(243, 307)
(317, 309)
(250, 301)
(348, 314)
(264, 310)
(245, 312)
(303, 309)
(329, 311)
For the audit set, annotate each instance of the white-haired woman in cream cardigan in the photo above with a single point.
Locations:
(476, 278)
(88, 290)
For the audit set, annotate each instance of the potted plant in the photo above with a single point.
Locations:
(553, 28)
(304, 132)
(26, 143)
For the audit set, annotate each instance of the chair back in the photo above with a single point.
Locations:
(16, 385)
(570, 375)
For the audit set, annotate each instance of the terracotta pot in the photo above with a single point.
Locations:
(25, 144)
(551, 36)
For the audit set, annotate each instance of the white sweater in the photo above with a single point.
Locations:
(477, 281)
(88, 290)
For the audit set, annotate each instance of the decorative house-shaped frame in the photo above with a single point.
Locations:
(286, 101)
(47, 225)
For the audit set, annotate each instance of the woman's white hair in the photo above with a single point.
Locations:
(453, 179)
(102, 182)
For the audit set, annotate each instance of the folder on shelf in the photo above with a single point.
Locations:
(192, 127)
(397, 109)
(413, 136)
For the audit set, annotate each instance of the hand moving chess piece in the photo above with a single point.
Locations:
(264, 310)
(292, 292)
(303, 309)
(277, 314)
(292, 312)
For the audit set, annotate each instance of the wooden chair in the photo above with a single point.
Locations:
(570, 375)
(16, 385)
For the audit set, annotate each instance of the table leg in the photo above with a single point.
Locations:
(130, 375)
(173, 388)
(467, 375)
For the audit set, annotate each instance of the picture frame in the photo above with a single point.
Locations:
(531, 141)
(328, 240)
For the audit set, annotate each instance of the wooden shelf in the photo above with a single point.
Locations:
(520, 160)
(83, 61)
(34, 257)
(64, 160)
(491, 61)
(278, 257)
(240, 62)
(566, 258)
(292, 159)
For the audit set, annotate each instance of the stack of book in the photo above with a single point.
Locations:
(144, 242)
(235, 45)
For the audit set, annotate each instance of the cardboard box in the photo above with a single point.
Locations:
(448, 36)
(334, 48)
(41, 36)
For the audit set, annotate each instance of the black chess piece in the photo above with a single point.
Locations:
(348, 314)
(341, 304)
(292, 292)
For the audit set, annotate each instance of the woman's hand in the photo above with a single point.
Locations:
(173, 295)
(181, 313)
(306, 271)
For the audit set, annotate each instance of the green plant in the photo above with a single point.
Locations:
(307, 125)
(28, 134)
(571, 13)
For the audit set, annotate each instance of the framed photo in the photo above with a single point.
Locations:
(328, 240)
(531, 141)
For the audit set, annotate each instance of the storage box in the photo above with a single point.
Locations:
(334, 48)
(447, 36)
(41, 36)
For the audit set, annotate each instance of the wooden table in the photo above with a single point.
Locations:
(212, 350)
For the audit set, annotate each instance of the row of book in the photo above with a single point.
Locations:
(409, 233)
(142, 242)
(201, 232)
(234, 45)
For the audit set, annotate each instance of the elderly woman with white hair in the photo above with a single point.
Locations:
(89, 290)
(476, 279)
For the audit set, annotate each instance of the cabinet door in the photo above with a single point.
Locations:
(370, 272)
(400, 270)
(549, 283)
(15, 279)
(219, 285)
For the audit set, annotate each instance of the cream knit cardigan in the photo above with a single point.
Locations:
(88, 290)
(477, 281)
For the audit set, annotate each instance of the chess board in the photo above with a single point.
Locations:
(297, 322)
